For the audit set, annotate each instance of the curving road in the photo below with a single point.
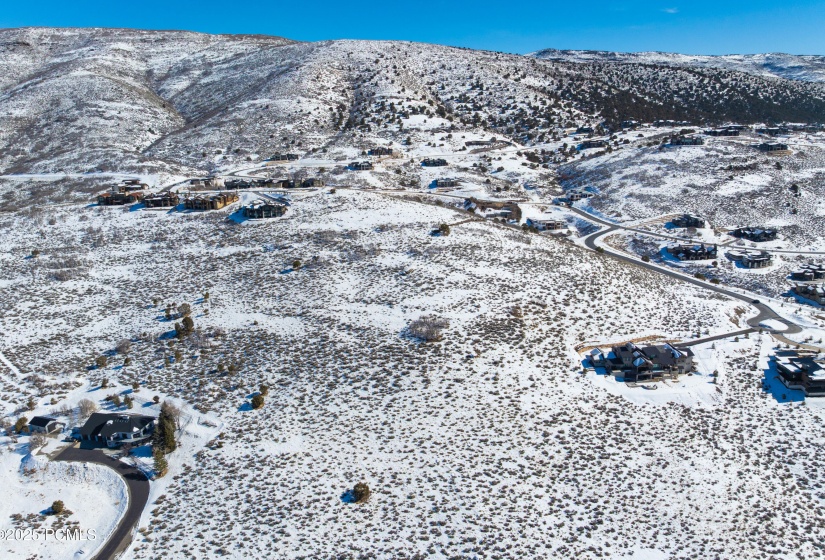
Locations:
(764, 312)
(137, 485)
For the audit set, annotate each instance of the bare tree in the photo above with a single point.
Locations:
(86, 408)
(36, 441)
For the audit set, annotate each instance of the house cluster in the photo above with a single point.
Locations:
(801, 370)
(669, 123)
(116, 429)
(380, 151)
(687, 141)
(260, 209)
(434, 162)
(210, 202)
(813, 292)
(688, 221)
(648, 363)
(809, 272)
(588, 144)
(543, 224)
(360, 166)
(693, 252)
(758, 235)
(774, 148)
(507, 210)
(751, 258)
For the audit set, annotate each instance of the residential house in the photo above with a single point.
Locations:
(774, 148)
(758, 235)
(588, 144)
(211, 202)
(114, 429)
(545, 224)
(44, 425)
(260, 209)
(754, 259)
(688, 221)
(801, 370)
(312, 183)
(809, 273)
(695, 252)
(508, 210)
(446, 182)
(434, 162)
(813, 292)
(687, 141)
(115, 198)
(380, 151)
(649, 363)
(162, 200)
(723, 132)
(360, 166)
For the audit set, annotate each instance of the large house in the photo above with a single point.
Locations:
(446, 182)
(723, 132)
(212, 202)
(434, 162)
(264, 209)
(648, 363)
(360, 166)
(688, 221)
(119, 198)
(775, 148)
(687, 141)
(380, 151)
(809, 273)
(162, 200)
(813, 292)
(801, 370)
(545, 224)
(114, 429)
(588, 144)
(758, 235)
(697, 252)
(508, 210)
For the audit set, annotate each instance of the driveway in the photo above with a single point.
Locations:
(137, 485)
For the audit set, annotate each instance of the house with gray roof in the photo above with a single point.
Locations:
(114, 429)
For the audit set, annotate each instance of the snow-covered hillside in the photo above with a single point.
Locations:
(79, 100)
(806, 68)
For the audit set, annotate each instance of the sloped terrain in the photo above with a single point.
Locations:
(81, 100)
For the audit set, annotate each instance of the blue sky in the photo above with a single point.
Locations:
(695, 27)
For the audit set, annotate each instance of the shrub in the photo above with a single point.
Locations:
(21, 423)
(36, 441)
(257, 401)
(296, 264)
(100, 362)
(428, 328)
(361, 493)
(57, 506)
(264, 390)
(646, 258)
(124, 346)
(444, 229)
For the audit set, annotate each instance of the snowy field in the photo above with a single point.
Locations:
(490, 443)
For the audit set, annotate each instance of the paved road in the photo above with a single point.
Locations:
(136, 483)
(764, 312)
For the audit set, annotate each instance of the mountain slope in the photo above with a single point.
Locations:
(122, 100)
(806, 68)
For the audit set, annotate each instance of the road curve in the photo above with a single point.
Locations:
(764, 312)
(137, 485)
